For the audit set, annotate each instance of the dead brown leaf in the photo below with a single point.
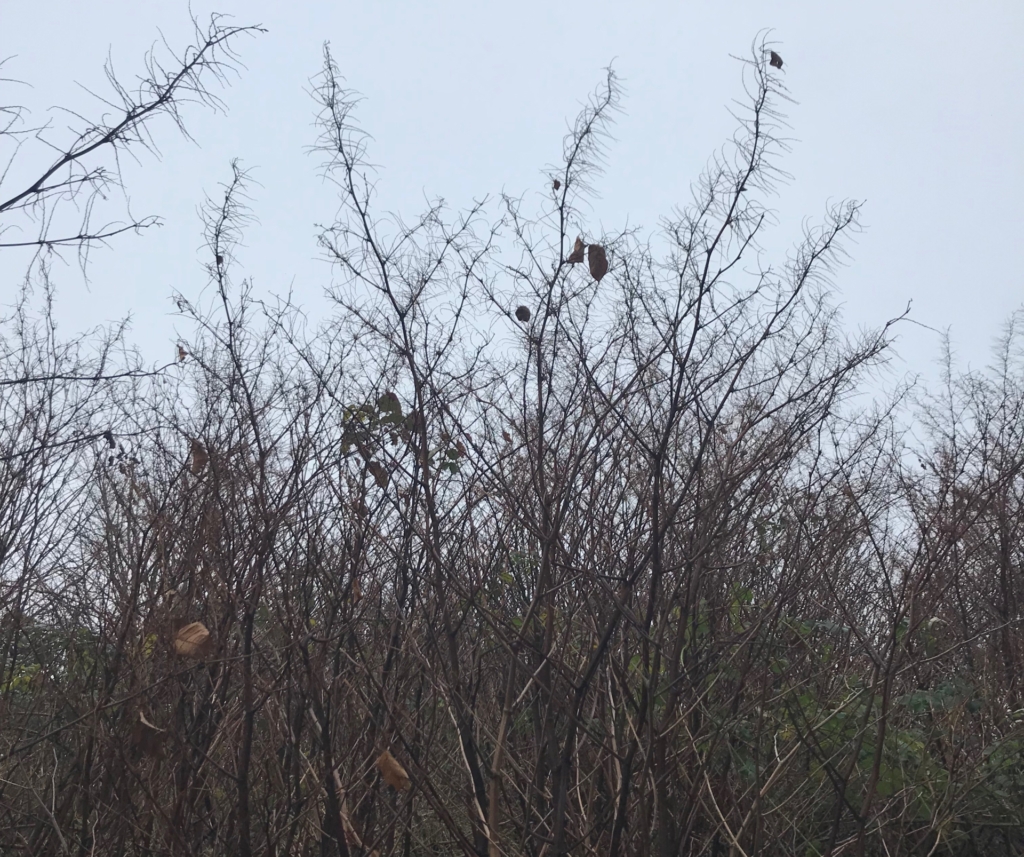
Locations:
(193, 641)
(380, 475)
(148, 737)
(352, 838)
(200, 457)
(577, 252)
(392, 772)
(598, 261)
(775, 61)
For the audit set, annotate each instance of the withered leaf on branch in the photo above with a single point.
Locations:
(392, 771)
(577, 252)
(598, 261)
(523, 313)
(145, 722)
(380, 475)
(200, 457)
(148, 737)
(390, 403)
(775, 61)
(182, 354)
(556, 184)
(193, 641)
(352, 838)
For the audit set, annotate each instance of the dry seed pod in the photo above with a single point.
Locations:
(598, 261)
(193, 641)
(775, 61)
(392, 772)
(523, 313)
(200, 457)
(577, 252)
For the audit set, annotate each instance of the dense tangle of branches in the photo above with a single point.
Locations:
(632, 575)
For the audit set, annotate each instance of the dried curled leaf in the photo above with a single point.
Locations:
(577, 252)
(389, 403)
(598, 261)
(556, 184)
(380, 475)
(200, 457)
(145, 722)
(392, 771)
(147, 737)
(193, 641)
(182, 354)
(775, 61)
(523, 313)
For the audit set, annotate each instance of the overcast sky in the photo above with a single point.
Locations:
(914, 107)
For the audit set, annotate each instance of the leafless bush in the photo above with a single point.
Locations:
(629, 573)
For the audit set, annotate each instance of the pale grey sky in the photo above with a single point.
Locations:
(914, 107)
